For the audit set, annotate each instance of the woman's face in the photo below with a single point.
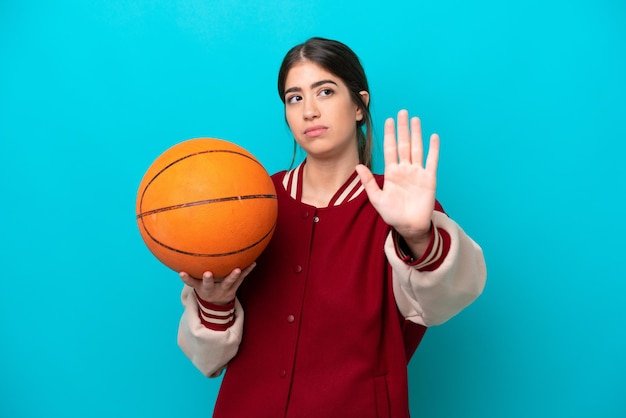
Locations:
(320, 112)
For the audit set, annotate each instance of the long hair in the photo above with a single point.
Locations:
(340, 60)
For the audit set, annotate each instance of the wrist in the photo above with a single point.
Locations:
(417, 237)
(414, 244)
(417, 240)
(204, 298)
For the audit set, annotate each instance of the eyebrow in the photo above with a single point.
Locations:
(314, 85)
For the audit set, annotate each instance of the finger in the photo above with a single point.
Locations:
(404, 137)
(190, 281)
(229, 280)
(187, 279)
(248, 269)
(208, 280)
(390, 151)
(369, 182)
(244, 273)
(432, 160)
(417, 145)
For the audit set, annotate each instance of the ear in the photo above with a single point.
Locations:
(365, 96)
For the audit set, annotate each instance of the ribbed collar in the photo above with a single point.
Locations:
(292, 182)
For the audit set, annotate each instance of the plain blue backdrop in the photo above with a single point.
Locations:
(529, 99)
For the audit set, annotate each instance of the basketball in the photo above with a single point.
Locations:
(206, 204)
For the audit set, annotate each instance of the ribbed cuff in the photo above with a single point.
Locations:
(216, 317)
(435, 253)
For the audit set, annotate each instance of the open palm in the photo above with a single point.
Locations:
(407, 198)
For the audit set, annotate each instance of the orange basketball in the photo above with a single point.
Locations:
(206, 204)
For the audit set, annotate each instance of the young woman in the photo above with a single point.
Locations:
(358, 267)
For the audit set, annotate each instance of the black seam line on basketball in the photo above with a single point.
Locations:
(189, 156)
(206, 202)
(219, 254)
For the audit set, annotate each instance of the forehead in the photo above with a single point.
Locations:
(304, 73)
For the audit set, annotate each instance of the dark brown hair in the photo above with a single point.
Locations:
(340, 60)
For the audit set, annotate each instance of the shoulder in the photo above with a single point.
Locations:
(278, 177)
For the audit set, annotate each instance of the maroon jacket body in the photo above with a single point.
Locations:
(322, 335)
(326, 323)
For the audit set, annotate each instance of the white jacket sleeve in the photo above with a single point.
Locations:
(209, 350)
(433, 297)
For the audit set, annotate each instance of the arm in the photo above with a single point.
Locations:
(210, 329)
(208, 334)
(448, 277)
(449, 272)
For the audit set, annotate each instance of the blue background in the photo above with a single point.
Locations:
(529, 99)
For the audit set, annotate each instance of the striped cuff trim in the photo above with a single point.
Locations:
(216, 317)
(435, 253)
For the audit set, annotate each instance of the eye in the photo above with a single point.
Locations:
(326, 92)
(293, 99)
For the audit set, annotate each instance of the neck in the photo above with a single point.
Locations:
(322, 179)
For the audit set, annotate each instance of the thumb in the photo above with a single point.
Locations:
(369, 182)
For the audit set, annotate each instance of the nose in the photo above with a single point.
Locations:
(310, 110)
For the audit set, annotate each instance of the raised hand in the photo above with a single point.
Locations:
(407, 198)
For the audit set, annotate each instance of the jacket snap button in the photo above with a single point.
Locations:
(290, 318)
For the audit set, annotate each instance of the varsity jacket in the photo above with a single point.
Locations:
(325, 324)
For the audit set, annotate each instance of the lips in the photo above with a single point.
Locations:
(315, 131)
